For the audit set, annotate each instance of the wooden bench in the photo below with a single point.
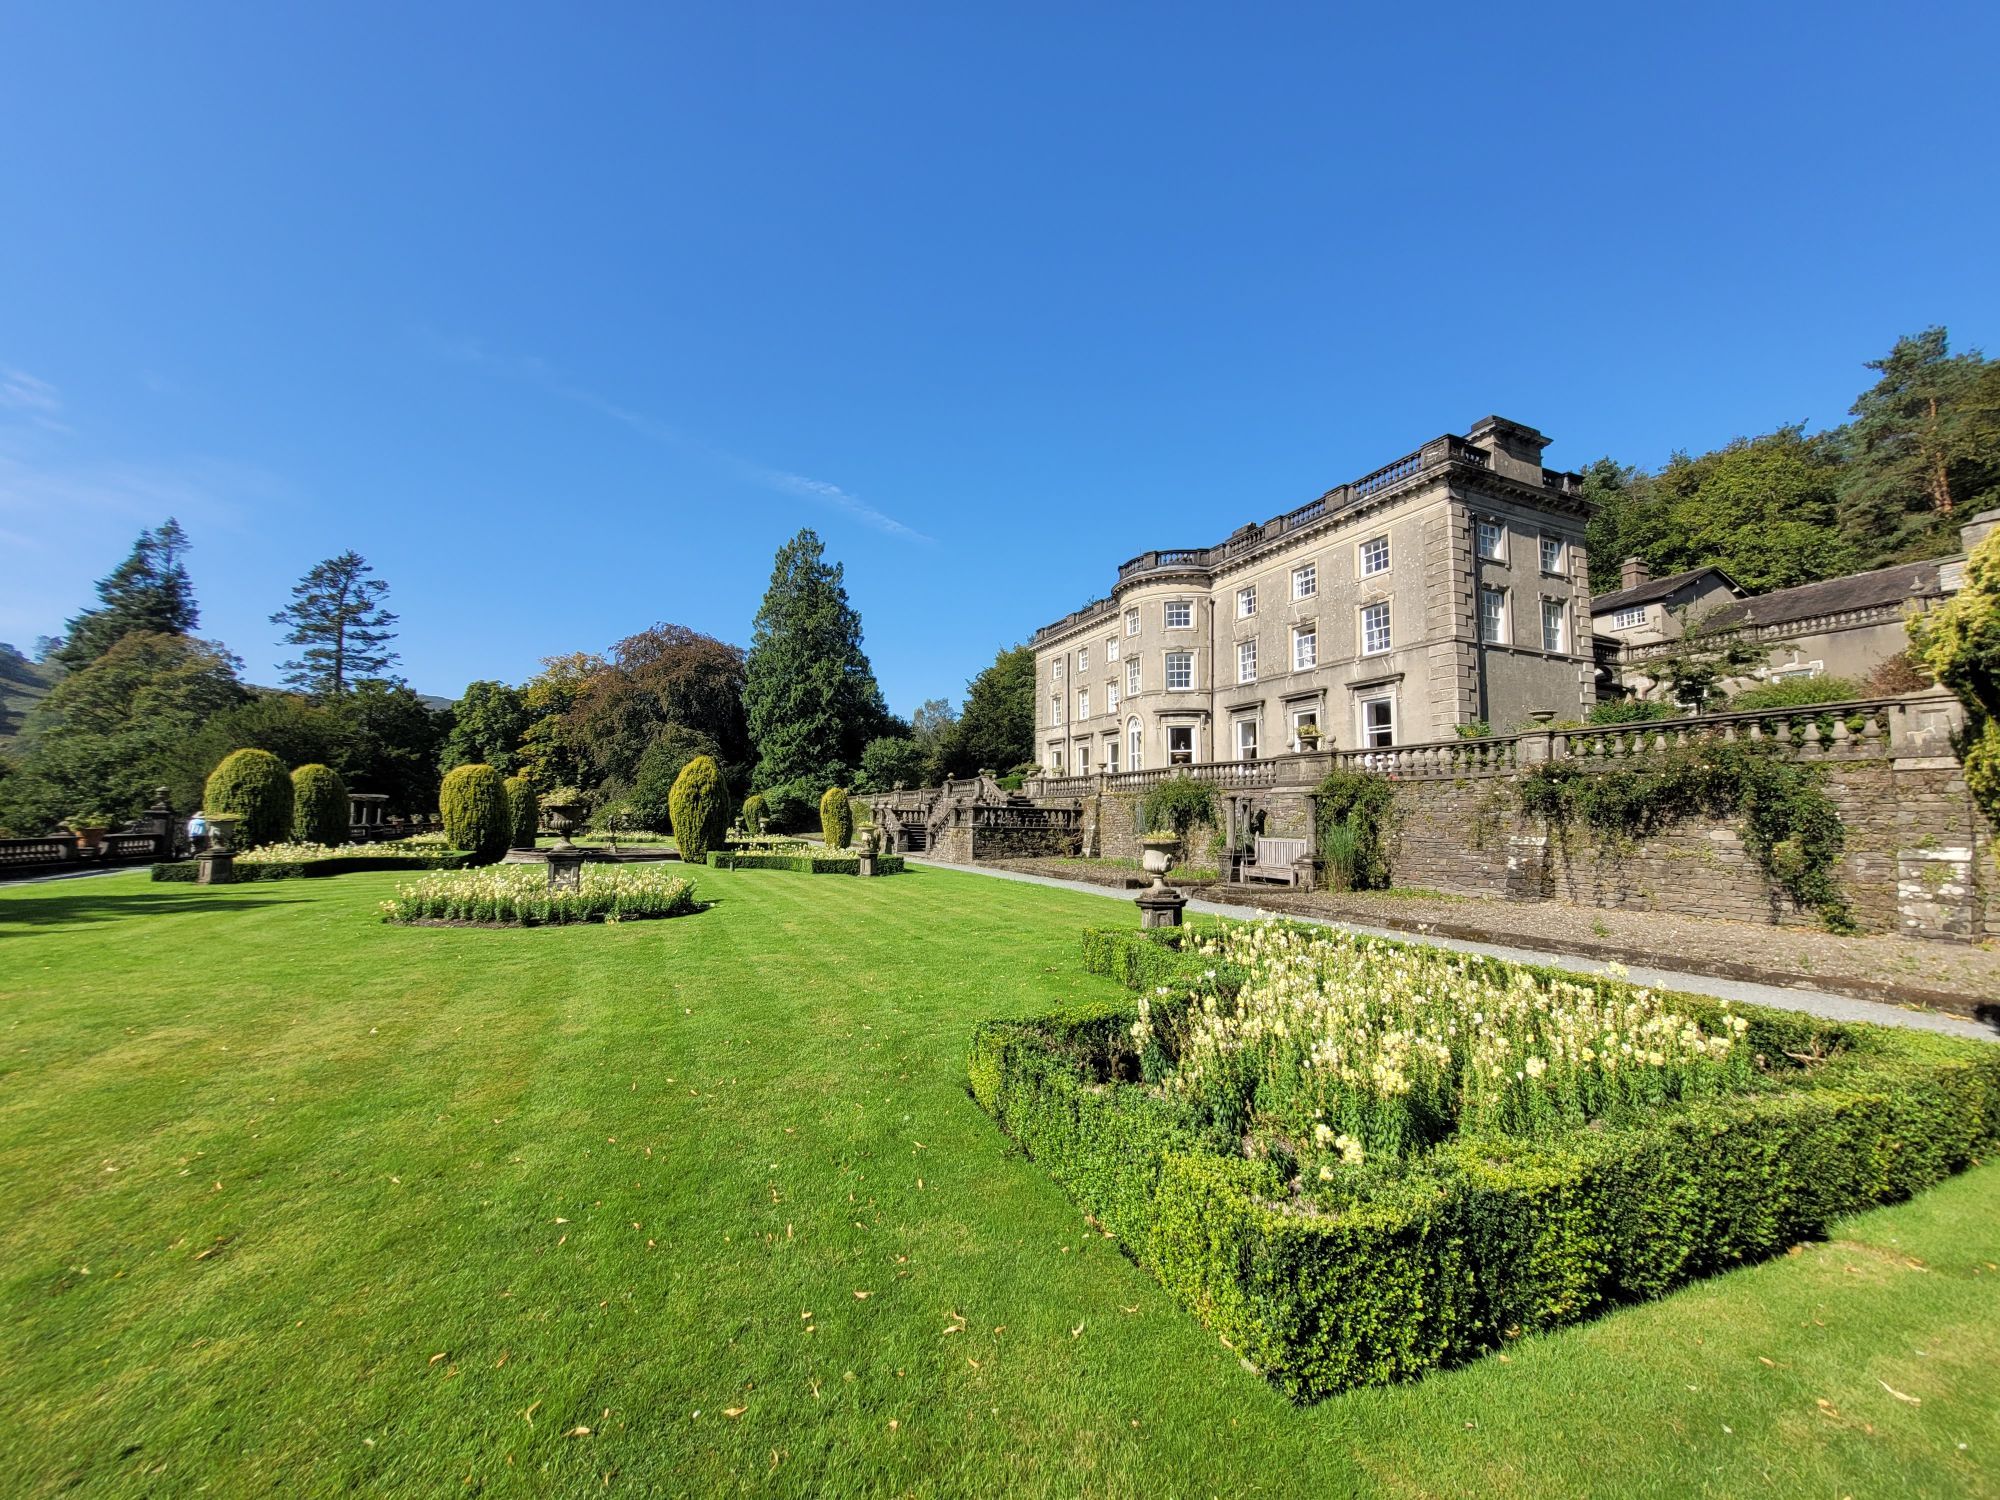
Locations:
(1274, 860)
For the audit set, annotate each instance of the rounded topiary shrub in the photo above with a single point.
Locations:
(524, 813)
(699, 804)
(254, 787)
(754, 810)
(319, 806)
(473, 802)
(836, 818)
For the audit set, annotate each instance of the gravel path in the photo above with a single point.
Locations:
(1652, 957)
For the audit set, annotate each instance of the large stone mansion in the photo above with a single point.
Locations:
(1446, 588)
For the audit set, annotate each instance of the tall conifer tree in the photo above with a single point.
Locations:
(337, 615)
(147, 594)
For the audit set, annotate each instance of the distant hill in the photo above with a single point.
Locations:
(23, 684)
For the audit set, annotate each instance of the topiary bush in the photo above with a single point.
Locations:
(699, 804)
(477, 816)
(836, 818)
(524, 813)
(319, 806)
(254, 786)
(754, 808)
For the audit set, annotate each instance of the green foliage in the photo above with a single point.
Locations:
(996, 727)
(699, 805)
(1630, 711)
(338, 616)
(1697, 664)
(808, 690)
(669, 692)
(836, 818)
(889, 761)
(319, 806)
(1340, 847)
(659, 768)
(477, 815)
(378, 858)
(1489, 1237)
(1359, 805)
(1179, 805)
(1790, 824)
(1796, 692)
(147, 594)
(255, 787)
(524, 812)
(391, 744)
(755, 811)
(521, 896)
(1478, 729)
(487, 723)
(1959, 642)
(790, 806)
(803, 864)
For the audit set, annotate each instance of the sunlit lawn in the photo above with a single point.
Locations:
(298, 1201)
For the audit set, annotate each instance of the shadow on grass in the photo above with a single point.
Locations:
(105, 906)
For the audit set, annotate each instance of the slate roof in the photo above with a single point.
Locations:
(1832, 596)
(1659, 588)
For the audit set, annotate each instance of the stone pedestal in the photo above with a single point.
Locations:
(215, 867)
(865, 864)
(566, 868)
(1160, 905)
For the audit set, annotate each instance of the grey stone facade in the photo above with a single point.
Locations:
(1359, 614)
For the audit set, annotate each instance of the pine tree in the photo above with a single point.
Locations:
(149, 593)
(1923, 442)
(809, 692)
(336, 613)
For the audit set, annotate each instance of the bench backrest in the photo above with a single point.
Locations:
(1280, 852)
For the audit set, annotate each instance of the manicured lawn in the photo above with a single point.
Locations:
(298, 1200)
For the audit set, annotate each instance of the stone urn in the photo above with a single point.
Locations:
(89, 835)
(1156, 854)
(564, 816)
(1159, 905)
(221, 831)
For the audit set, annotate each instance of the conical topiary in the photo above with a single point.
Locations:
(836, 818)
(699, 807)
(477, 818)
(524, 813)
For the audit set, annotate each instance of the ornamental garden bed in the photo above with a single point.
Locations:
(521, 896)
(803, 864)
(1357, 1159)
(296, 861)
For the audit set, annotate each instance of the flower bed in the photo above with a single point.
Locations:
(1312, 1143)
(520, 896)
(293, 861)
(803, 864)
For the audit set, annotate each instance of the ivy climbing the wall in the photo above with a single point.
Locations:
(1789, 823)
(1353, 809)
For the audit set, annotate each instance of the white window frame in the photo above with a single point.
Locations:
(1305, 647)
(1082, 703)
(1555, 612)
(1246, 660)
(1368, 561)
(1131, 622)
(1111, 696)
(1249, 722)
(1055, 708)
(1061, 666)
(1369, 629)
(1168, 662)
(1056, 759)
(1302, 714)
(1082, 659)
(1189, 753)
(1179, 604)
(1629, 619)
(1488, 527)
(1493, 632)
(1132, 678)
(1135, 742)
(1361, 708)
(1111, 649)
(1111, 767)
(1246, 601)
(1305, 581)
(1554, 554)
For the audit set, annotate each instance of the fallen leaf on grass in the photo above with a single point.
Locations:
(1076, 1332)
(578, 1431)
(1900, 1395)
(436, 1357)
(528, 1416)
(862, 1296)
(734, 1411)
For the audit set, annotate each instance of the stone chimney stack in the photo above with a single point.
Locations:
(1633, 573)
(1514, 449)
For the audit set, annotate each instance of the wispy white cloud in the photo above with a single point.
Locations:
(36, 399)
(539, 372)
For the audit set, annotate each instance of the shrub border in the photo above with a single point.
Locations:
(183, 870)
(1493, 1238)
(804, 864)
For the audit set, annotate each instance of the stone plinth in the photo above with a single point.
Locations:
(1160, 905)
(566, 868)
(215, 867)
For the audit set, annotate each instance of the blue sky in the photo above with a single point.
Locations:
(566, 317)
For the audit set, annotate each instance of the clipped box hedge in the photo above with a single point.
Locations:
(804, 864)
(1483, 1240)
(183, 870)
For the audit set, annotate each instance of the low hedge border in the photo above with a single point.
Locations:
(1488, 1238)
(449, 859)
(804, 864)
